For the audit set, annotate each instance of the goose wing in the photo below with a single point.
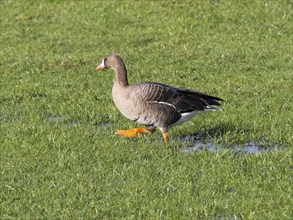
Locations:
(182, 100)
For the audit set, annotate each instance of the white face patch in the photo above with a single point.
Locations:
(103, 63)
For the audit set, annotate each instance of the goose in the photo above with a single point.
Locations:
(153, 104)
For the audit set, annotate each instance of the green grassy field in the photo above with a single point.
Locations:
(59, 155)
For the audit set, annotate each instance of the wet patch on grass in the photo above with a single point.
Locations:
(195, 144)
(54, 118)
(98, 123)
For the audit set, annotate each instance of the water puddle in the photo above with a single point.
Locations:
(250, 147)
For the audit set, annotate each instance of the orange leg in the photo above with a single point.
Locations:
(166, 137)
(134, 132)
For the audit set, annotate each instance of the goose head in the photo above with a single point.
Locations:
(111, 62)
(115, 63)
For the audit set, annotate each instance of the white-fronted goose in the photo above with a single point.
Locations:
(154, 104)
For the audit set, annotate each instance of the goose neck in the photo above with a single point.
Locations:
(121, 76)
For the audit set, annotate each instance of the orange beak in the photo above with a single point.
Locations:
(100, 67)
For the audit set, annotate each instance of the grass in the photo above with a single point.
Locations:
(59, 155)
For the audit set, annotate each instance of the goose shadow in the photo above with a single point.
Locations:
(214, 132)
